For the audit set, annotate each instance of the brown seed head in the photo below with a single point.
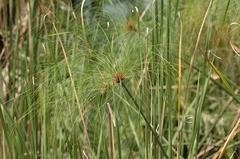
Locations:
(118, 77)
(132, 26)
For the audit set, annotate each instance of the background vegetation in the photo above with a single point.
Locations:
(119, 79)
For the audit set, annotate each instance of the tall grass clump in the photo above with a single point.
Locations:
(119, 79)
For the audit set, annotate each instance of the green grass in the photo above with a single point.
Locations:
(114, 79)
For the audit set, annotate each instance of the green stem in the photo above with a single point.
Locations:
(145, 119)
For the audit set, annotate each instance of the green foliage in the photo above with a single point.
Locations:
(119, 61)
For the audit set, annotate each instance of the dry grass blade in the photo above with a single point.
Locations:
(111, 124)
(235, 49)
(73, 85)
(231, 30)
(233, 133)
(179, 84)
(195, 50)
(146, 9)
(209, 150)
